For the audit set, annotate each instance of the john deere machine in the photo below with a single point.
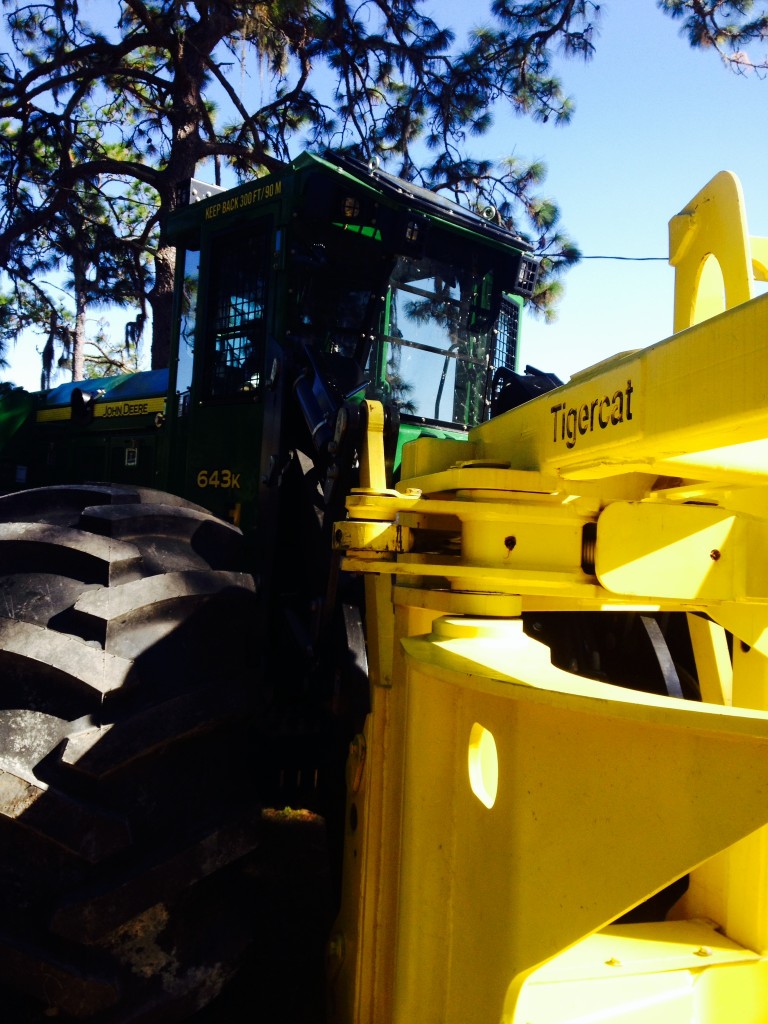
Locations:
(505, 639)
(178, 648)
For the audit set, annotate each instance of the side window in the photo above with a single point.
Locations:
(187, 327)
(237, 314)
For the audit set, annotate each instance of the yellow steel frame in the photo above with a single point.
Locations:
(502, 813)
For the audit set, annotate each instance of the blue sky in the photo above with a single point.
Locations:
(654, 122)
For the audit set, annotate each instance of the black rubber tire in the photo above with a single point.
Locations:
(127, 807)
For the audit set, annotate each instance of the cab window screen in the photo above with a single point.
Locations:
(238, 310)
(507, 329)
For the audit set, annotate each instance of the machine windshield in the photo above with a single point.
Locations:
(423, 333)
(432, 352)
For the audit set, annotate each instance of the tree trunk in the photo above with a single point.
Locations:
(161, 301)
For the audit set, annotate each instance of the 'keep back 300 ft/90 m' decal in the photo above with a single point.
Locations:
(597, 414)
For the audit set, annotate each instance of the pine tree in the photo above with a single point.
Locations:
(729, 28)
(138, 102)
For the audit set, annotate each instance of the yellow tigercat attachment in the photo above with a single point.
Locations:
(557, 812)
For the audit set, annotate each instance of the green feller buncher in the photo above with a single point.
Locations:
(177, 647)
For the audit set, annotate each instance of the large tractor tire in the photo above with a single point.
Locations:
(128, 705)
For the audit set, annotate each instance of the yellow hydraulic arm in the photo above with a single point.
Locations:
(503, 812)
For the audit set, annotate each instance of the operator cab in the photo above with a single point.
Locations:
(323, 285)
(415, 305)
